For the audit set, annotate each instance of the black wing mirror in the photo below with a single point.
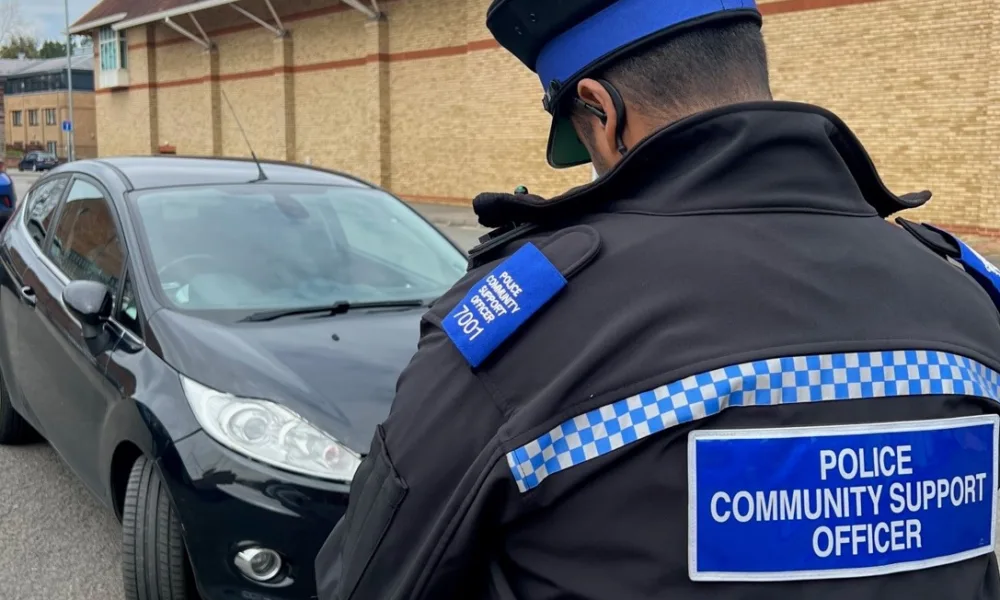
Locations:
(91, 303)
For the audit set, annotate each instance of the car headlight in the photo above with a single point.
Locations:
(270, 433)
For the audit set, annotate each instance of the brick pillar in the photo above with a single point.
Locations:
(377, 115)
(214, 99)
(285, 88)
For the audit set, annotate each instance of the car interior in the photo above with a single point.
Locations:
(214, 249)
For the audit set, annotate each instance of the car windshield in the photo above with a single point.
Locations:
(269, 246)
(46, 157)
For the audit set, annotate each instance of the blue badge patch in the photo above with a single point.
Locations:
(843, 501)
(983, 271)
(501, 302)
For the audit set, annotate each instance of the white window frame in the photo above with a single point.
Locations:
(50, 112)
(113, 49)
(52, 148)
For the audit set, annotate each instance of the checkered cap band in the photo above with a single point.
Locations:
(787, 380)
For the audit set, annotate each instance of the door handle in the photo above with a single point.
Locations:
(28, 296)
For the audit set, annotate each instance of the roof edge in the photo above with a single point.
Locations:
(173, 12)
(87, 26)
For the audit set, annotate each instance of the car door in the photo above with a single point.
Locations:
(69, 391)
(22, 244)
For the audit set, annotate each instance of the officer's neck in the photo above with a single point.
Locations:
(642, 123)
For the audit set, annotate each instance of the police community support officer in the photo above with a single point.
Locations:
(714, 373)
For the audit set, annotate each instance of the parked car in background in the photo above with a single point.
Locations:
(38, 161)
(209, 346)
(8, 197)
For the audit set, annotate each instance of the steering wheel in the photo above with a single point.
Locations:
(184, 259)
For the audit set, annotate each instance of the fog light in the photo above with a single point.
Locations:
(258, 564)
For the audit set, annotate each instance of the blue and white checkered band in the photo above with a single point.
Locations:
(793, 379)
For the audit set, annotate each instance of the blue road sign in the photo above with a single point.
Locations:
(67, 126)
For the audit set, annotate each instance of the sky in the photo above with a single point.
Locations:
(46, 19)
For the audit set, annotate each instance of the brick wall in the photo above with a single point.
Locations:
(917, 82)
(425, 104)
(40, 134)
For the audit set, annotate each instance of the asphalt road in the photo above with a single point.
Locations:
(56, 540)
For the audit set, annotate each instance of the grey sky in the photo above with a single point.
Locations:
(46, 19)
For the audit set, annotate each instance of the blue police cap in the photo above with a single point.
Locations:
(563, 41)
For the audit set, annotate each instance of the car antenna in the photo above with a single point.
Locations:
(261, 176)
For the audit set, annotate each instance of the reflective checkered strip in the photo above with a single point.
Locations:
(817, 378)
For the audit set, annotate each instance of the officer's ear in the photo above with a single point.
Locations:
(605, 130)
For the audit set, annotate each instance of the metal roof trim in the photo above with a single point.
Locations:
(85, 27)
(173, 12)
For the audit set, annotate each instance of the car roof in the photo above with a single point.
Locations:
(146, 172)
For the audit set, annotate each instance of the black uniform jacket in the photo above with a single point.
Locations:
(734, 269)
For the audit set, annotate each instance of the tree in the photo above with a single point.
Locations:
(52, 49)
(10, 19)
(18, 44)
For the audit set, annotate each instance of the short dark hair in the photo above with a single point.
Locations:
(716, 64)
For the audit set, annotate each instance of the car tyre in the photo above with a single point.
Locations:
(14, 430)
(154, 561)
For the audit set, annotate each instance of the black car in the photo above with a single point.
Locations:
(38, 161)
(210, 345)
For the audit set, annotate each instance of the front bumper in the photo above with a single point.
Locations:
(227, 502)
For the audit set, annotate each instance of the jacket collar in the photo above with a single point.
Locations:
(756, 156)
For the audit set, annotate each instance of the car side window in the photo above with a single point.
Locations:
(40, 205)
(85, 244)
(128, 309)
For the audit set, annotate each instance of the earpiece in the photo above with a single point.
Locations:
(619, 104)
(597, 112)
(616, 99)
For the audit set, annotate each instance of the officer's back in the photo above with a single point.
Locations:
(717, 372)
(745, 321)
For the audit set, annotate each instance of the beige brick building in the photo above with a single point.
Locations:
(422, 101)
(36, 103)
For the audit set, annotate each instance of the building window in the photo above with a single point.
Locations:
(113, 49)
(51, 147)
(16, 118)
(33, 117)
(50, 116)
(83, 81)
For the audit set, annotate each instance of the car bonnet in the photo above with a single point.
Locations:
(338, 372)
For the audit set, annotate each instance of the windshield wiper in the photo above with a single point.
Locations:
(337, 308)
